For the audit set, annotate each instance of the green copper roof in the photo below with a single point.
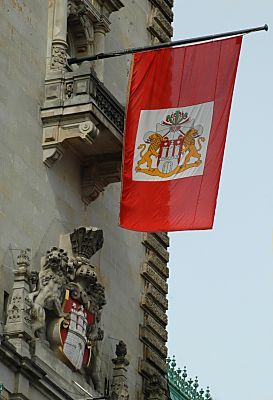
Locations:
(182, 388)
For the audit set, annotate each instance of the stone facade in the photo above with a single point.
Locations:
(60, 156)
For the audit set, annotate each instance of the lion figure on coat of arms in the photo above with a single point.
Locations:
(189, 145)
(154, 140)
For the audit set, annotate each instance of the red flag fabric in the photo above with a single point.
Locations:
(176, 124)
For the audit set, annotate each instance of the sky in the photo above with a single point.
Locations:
(221, 281)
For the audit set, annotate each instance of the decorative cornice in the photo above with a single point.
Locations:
(102, 6)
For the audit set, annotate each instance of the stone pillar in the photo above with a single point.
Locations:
(100, 30)
(59, 44)
(18, 326)
(119, 387)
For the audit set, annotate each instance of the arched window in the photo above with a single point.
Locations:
(80, 32)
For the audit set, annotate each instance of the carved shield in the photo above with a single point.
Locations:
(74, 330)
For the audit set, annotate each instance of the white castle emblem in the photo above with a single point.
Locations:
(74, 345)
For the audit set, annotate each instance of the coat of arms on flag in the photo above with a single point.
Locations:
(172, 143)
(176, 125)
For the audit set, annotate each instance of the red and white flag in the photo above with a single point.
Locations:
(176, 124)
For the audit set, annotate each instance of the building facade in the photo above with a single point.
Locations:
(82, 302)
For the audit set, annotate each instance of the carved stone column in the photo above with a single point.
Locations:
(100, 30)
(18, 326)
(119, 387)
(59, 44)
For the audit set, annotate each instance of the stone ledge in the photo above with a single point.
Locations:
(158, 329)
(151, 307)
(151, 275)
(157, 296)
(151, 340)
(163, 237)
(157, 361)
(160, 266)
(152, 243)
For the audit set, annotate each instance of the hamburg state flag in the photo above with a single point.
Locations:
(176, 124)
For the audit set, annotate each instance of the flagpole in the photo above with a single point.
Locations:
(133, 50)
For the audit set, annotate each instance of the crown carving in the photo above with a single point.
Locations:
(86, 242)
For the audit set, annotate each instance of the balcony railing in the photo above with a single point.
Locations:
(81, 115)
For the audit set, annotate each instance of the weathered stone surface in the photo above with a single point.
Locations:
(157, 296)
(156, 327)
(50, 199)
(160, 20)
(151, 275)
(151, 243)
(150, 306)
(165, 7)
(153, 333)
(155, 359)
(157, 263)
(159, 26)
(163, 237)
(152, 340)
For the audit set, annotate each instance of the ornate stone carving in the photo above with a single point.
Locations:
(61, 304)
(50, 290)
(18, 324)
(59, 55)
(76, 7)
(69, 89)
(119, 387)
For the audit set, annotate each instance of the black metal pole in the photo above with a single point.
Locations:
(118, 53)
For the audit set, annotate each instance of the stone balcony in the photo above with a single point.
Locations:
(81, 116)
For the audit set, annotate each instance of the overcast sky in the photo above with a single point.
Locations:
(221, 284)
